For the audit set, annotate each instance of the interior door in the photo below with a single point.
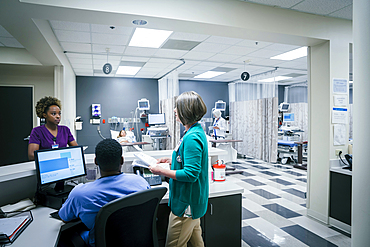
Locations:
(16, 122)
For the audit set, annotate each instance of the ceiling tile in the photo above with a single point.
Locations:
(71, 26)
(4, 33)
(264, 53)
(211, 47)
(140, 51)
(110, 58)
(253, 43)
(112, 48)
(188, 36)
(77, 55)
(136, 59)
(282, 47)
(223, 40)
(197, 55)
(345, 13)
(109, 39)
(10, 42)
(82, 66)
(239, 50)
(280, 3)
(80, 61)
(170, 53)
(76, 47)
(223, 57)
(321, 7)
(176, 44)
(95, 28)
(72, 36)
(161, 60)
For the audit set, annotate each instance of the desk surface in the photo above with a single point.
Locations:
(224, 140)
(124, 144)
(45, 230)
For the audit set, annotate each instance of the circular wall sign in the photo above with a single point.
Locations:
(107, 68)
(245, 76)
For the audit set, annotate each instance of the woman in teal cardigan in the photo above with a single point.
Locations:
(189, 187)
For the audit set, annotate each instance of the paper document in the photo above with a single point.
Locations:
(141, 163)
(339, 134)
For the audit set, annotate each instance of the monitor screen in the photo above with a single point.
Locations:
(156, 119)
(54, 165)
(220, 106)
(285, 107)
(288, 117)
(143, 104)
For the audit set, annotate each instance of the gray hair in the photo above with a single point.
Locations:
(217, 113)
(190, 107)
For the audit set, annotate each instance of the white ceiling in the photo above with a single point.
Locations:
(85, 46)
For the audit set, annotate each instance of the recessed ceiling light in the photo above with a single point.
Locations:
(152, 38)
(127, 70)
(209, 74)
(277, 78)
(139, 22)
(291, 55)
(350, 81)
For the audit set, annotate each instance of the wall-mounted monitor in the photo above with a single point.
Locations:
(220, 105)
(58, 165)
(288, 117)
(156, 119)
(284, 107)
(143, 104)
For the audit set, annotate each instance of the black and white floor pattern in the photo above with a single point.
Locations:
(274, 208)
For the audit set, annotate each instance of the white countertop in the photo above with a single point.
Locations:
(336, 166)
(216, 189)
(26, 169)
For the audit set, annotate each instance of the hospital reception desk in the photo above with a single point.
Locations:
(221, 225)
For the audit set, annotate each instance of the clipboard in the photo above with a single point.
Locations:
(12, 227)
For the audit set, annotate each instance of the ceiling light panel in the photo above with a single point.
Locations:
(127, 70)
(189, 36)
(110, 39)
(291, 55)
(131, 63)
(95, 28)
(208, 75)
(276, 78)
(136, 59)
(152, 38)
(71, 26)
(223, 69)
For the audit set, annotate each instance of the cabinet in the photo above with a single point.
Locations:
(340, 197)
(221, 225)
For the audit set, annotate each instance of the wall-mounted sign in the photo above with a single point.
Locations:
(245, 76)
(107, 68)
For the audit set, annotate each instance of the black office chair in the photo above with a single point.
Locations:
(129, 221)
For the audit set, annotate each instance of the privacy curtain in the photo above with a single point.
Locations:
(168, 90)
(253, 109)
(300, 111)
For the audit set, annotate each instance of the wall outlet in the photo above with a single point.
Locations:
(337, 151)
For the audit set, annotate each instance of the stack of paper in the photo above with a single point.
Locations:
(11, 228)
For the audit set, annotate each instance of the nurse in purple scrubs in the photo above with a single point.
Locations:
(51, 134)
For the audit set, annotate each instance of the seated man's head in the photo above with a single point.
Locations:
(108, 156)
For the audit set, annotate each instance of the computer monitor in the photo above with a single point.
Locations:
(58, 165)
(156, 119)
(288, 117)
(220, 105)
(143, 104)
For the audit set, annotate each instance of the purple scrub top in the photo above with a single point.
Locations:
(40, 135)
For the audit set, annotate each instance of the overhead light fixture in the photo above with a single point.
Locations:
(209, 74)
(276, 78)
(127, 70)
(291, 55)
(139, 22)
(350, 82)
(152, 38)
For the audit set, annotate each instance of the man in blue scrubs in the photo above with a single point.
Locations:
(85, 200)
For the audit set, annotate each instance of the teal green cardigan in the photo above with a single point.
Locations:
(191, 185)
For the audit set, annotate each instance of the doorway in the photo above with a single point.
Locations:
(16, 123)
